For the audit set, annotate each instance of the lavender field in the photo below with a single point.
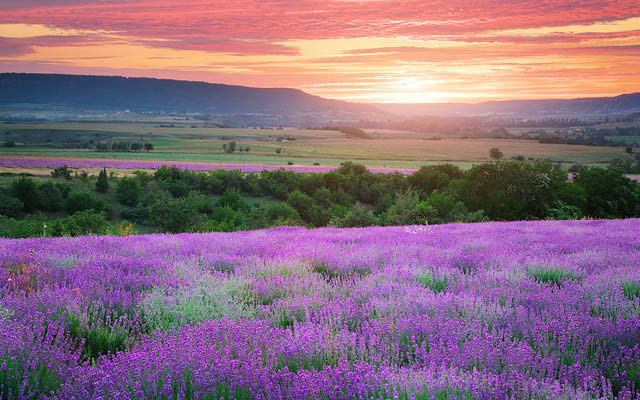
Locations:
(137, 164)
(520, 310)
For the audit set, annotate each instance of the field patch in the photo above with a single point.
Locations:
(447, 312)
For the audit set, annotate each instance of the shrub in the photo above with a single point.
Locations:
(128, 191)
(495, 153)
(404, 211)
(358, 217)
(50, 196)
(83, 200)
(610, 194)
(9, 143)
(102, 184)
(88, 222)
(174, 215)
(281, 211)
(61, 172)
(10, 206)
(26, 190)
(307, 209)
(428, 179)
(23, 228)
(231, 198)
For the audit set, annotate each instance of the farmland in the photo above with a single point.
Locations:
(180, 141)
(494, 310)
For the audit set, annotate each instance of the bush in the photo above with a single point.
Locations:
(10, 206)
(231, 198)
(495, 153)
(50, 197)
(26, 190)
(88, 222)
(83, 200)
(200, 202)
(358, 217)
(102, 184)
(404, 211)
(610, 194)
(19, 229)
(61, 172)
(128, 191)
(9, 143)
(428, 179)
(174, 215)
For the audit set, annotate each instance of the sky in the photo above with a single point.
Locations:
(410, 51)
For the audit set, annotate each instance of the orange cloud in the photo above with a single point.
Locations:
(381, 50)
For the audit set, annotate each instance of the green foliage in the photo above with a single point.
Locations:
(143, 177)
(625, 165)
(18, 229)
(229, 147)
(209, 297)
(128, 191)
(50, 196)
(548, 274)
(174, 215)
(26, 190)
(79, 200)
(9, 205)
(562, 211)
(435, 285)
(495, 153)
(512, 190)
(231, 198)
(631, 289)
(102, 184)
(88, 222)
(308, 210)
(101, 331)
(223, 219)
(61, 172)
(359, 216)
(610, 193)
(404, 210)
(427, 179)
(42, 380)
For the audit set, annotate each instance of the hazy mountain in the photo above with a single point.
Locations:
(146, 94)
(585, 107)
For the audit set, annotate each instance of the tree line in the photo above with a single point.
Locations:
(174, 200)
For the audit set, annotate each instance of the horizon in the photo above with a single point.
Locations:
(355, 102)
(361, 51)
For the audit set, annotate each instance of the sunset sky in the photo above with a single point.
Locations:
(358, 50)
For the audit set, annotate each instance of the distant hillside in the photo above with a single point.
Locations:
(597, 106)
(146, 94)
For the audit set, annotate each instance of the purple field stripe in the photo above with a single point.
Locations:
(134, 164)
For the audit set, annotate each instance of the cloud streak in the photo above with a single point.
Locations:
(489, 49)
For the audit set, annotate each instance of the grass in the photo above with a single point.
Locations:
(631, 290)
(625, 139)
(42, 380)
(433, 284)
(203, 144)
(555, 276)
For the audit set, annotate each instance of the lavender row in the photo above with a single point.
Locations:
(133, 164)
(526, 310)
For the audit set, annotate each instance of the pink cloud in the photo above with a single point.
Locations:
(277, 20)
